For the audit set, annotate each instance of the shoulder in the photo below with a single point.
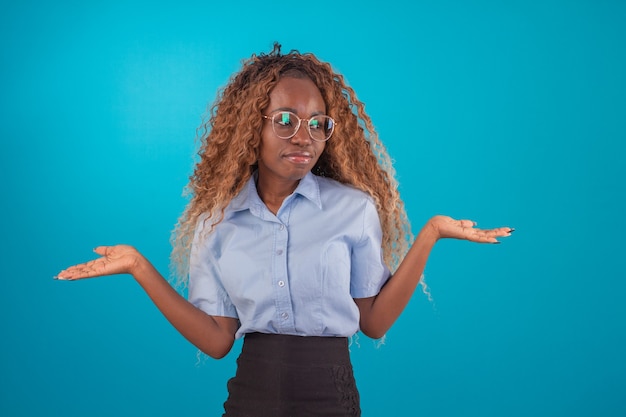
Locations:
(330, 188)
(346, 201)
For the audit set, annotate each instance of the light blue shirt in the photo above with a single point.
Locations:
(295, 272)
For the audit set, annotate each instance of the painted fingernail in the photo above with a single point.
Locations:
(512, 230)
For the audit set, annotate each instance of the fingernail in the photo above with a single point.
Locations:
(512, 230)
(497, 242)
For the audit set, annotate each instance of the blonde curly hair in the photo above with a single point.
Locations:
(231, 137)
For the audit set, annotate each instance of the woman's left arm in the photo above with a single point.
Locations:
(378, 313)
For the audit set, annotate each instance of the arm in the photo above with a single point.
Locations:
(378, 313)
(211, 334)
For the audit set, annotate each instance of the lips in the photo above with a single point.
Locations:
(299, 157)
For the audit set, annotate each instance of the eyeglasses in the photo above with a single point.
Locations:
(286, 124)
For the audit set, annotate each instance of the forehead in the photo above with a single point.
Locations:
(300, 94)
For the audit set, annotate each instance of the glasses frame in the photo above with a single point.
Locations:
(300, 120)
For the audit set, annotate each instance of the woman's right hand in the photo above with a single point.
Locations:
(214, 335)
(119, 259)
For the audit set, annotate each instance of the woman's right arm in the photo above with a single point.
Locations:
(213, 335)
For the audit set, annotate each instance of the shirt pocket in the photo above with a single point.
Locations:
(336, 267)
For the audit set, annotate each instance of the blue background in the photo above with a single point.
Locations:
(508, 113)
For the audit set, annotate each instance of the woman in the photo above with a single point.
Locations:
(293, 227)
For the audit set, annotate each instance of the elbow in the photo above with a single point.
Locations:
(374, 332)
(372, 323)
(217, 354)
(218, 351)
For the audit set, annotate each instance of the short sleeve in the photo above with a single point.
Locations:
(206, 291)
(369, 271)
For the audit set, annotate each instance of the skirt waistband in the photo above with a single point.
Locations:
(296, 350)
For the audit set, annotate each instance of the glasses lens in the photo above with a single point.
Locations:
(285, 124)
(321, 127)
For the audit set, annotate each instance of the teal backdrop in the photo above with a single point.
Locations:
(507, 113)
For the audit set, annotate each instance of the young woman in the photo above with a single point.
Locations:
(295, 238)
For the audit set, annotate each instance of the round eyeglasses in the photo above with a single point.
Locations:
(286, 124)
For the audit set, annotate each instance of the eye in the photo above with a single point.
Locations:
(315, 124)
(283, 119)
(324, 123)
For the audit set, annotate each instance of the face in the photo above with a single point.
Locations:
(284, 161)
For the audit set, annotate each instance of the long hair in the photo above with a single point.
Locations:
(231, 137)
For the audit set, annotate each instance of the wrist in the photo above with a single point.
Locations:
(430, 231)
(139, 265)
(434, 224)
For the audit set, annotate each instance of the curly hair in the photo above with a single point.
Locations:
(231, 137)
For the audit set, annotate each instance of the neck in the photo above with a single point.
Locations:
(273, 194)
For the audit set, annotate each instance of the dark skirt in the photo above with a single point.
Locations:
(293, 376)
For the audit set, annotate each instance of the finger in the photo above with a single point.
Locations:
(103, 250)
(499, 231)
(502, 231)
(483, 238)
(85, 270)
(71, 274)
(491, 235)
(467, 223)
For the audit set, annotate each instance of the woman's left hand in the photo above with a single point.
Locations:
(447, 227)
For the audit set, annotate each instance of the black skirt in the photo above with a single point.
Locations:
(293, 376)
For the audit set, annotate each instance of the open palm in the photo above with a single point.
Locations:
(119, 259)
(447, 227)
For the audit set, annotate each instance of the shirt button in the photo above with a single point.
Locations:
(279, 252)
(285, 316)
(281, 283)
(281, 227)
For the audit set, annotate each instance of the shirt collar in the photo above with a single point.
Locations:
(248, 198)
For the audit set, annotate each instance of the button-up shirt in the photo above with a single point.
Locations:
(295, 272)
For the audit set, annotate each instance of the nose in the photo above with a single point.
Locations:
(302, 136)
